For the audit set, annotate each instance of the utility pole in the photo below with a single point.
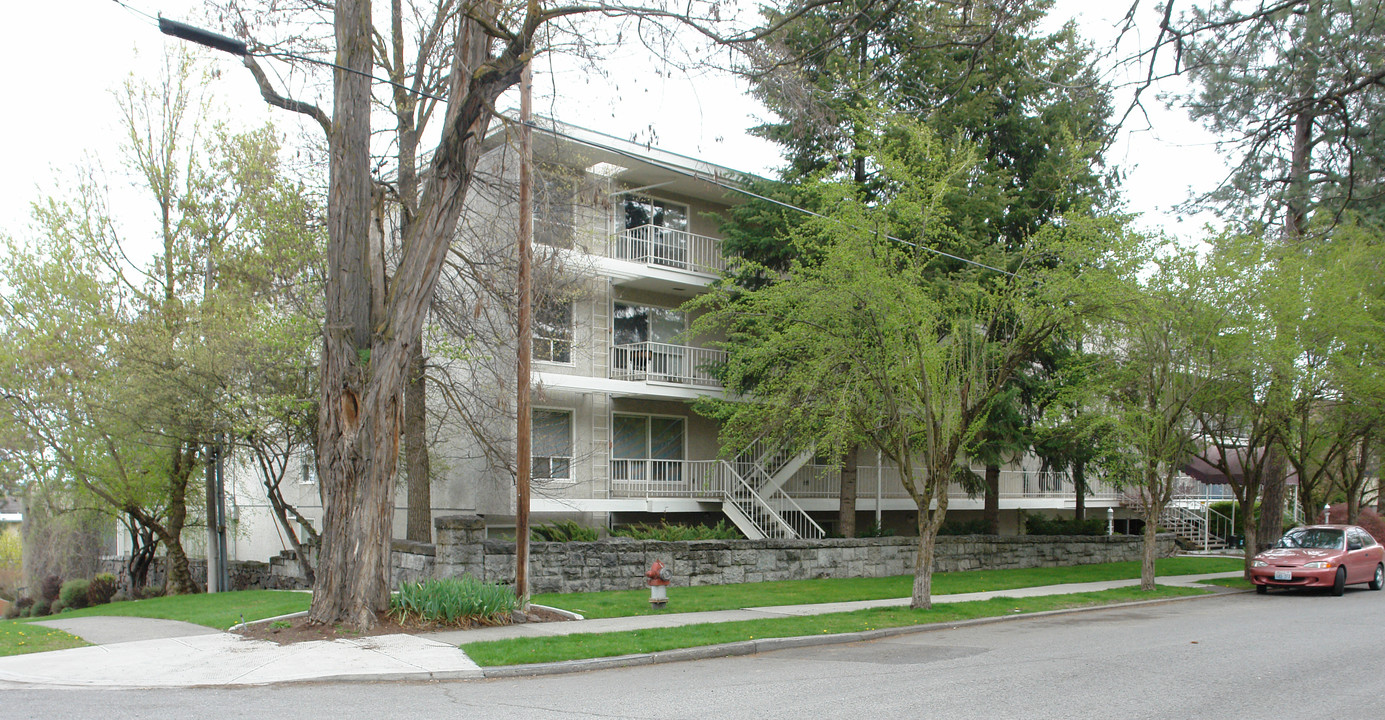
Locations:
(523, 413)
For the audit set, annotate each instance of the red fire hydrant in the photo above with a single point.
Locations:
(658, 576)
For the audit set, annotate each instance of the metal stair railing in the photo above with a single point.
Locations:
(778, 517)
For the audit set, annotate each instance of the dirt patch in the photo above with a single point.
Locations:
(287, 632)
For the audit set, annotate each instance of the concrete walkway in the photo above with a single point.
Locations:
(142, 653)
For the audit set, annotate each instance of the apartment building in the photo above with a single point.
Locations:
(630, 233)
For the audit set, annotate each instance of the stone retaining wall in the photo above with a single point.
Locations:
(619, 564)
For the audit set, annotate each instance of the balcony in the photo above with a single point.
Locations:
(700, 479)
(666, 363)
(665, 247)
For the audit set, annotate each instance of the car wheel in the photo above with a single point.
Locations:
(1339, 586)
(1262, 589)
(1379, 580)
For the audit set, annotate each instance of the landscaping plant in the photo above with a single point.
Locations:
(74, 594)
(101, 589)
(453, 601)
(671, 533)
(563, 531)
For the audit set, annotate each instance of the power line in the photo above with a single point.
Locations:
(233, 46)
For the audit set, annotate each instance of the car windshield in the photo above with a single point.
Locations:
(1322, 538)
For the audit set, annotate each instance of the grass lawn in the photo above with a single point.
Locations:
(623, 603)
(18, 638)
(593, 645)
(216, 610)
(219, 610)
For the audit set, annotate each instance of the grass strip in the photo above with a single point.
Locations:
(215, 610)
(521, 651)
(626, 603)
(19, 638)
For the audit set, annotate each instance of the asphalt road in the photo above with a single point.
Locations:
(1239, 656)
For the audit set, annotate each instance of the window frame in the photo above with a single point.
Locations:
(571, 458)
(535, 339)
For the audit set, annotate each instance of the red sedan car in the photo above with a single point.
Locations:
(1322, 556)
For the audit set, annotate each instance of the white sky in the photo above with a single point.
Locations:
(65, 58)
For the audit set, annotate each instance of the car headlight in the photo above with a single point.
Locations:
(1258, 563)
(1318, 565)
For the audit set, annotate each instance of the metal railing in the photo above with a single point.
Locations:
(680, 249)
(649, 478)
(824, 481)
(664, 362)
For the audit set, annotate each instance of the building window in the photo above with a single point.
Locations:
(552, 331)
(551, 436)
(647, 447)
(554, 212)
(307, 470)
(657, 230)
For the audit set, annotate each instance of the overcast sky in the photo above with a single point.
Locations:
(66, 57)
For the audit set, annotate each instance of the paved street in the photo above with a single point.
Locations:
(1239, 656)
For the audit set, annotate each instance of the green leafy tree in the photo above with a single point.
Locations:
(120, 373)
(886, 349)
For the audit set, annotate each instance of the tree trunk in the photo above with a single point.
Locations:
(367, 339)
(922, 598)
(1151, 548)
(420, 514)
(1079, 489)
(179, 580)
(1271, 525)
(359, 415)
(846, 503)
(991, 511)
(1249, 530)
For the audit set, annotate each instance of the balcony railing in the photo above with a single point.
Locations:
(679, 249)
(663, 362)
(699, 479)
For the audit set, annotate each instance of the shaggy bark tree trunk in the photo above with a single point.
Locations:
(369, 334)
(846, 504)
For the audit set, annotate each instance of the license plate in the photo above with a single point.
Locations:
(1283, 575)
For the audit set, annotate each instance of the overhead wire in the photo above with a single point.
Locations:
(239, 47)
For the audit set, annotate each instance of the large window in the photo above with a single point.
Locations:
(641, 323)
(552, 331)
(658, 230)
(647, 447)
(551, 437)
(554, 217)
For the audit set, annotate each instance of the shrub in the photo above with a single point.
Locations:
(57, 607)
(120, 596)
(24, 603)
(1041, 525)
(874, 530)
(41, 607)
(101, 590)
(453, 601)
(74, 593)
(965, 527)
(672, 533)
(50, 587)
(563, 531)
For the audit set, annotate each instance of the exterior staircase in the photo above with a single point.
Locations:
(1190, 524)
(754, 500)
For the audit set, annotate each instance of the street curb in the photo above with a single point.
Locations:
(752, 647)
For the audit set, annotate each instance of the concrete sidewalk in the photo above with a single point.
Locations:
(182, 655)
